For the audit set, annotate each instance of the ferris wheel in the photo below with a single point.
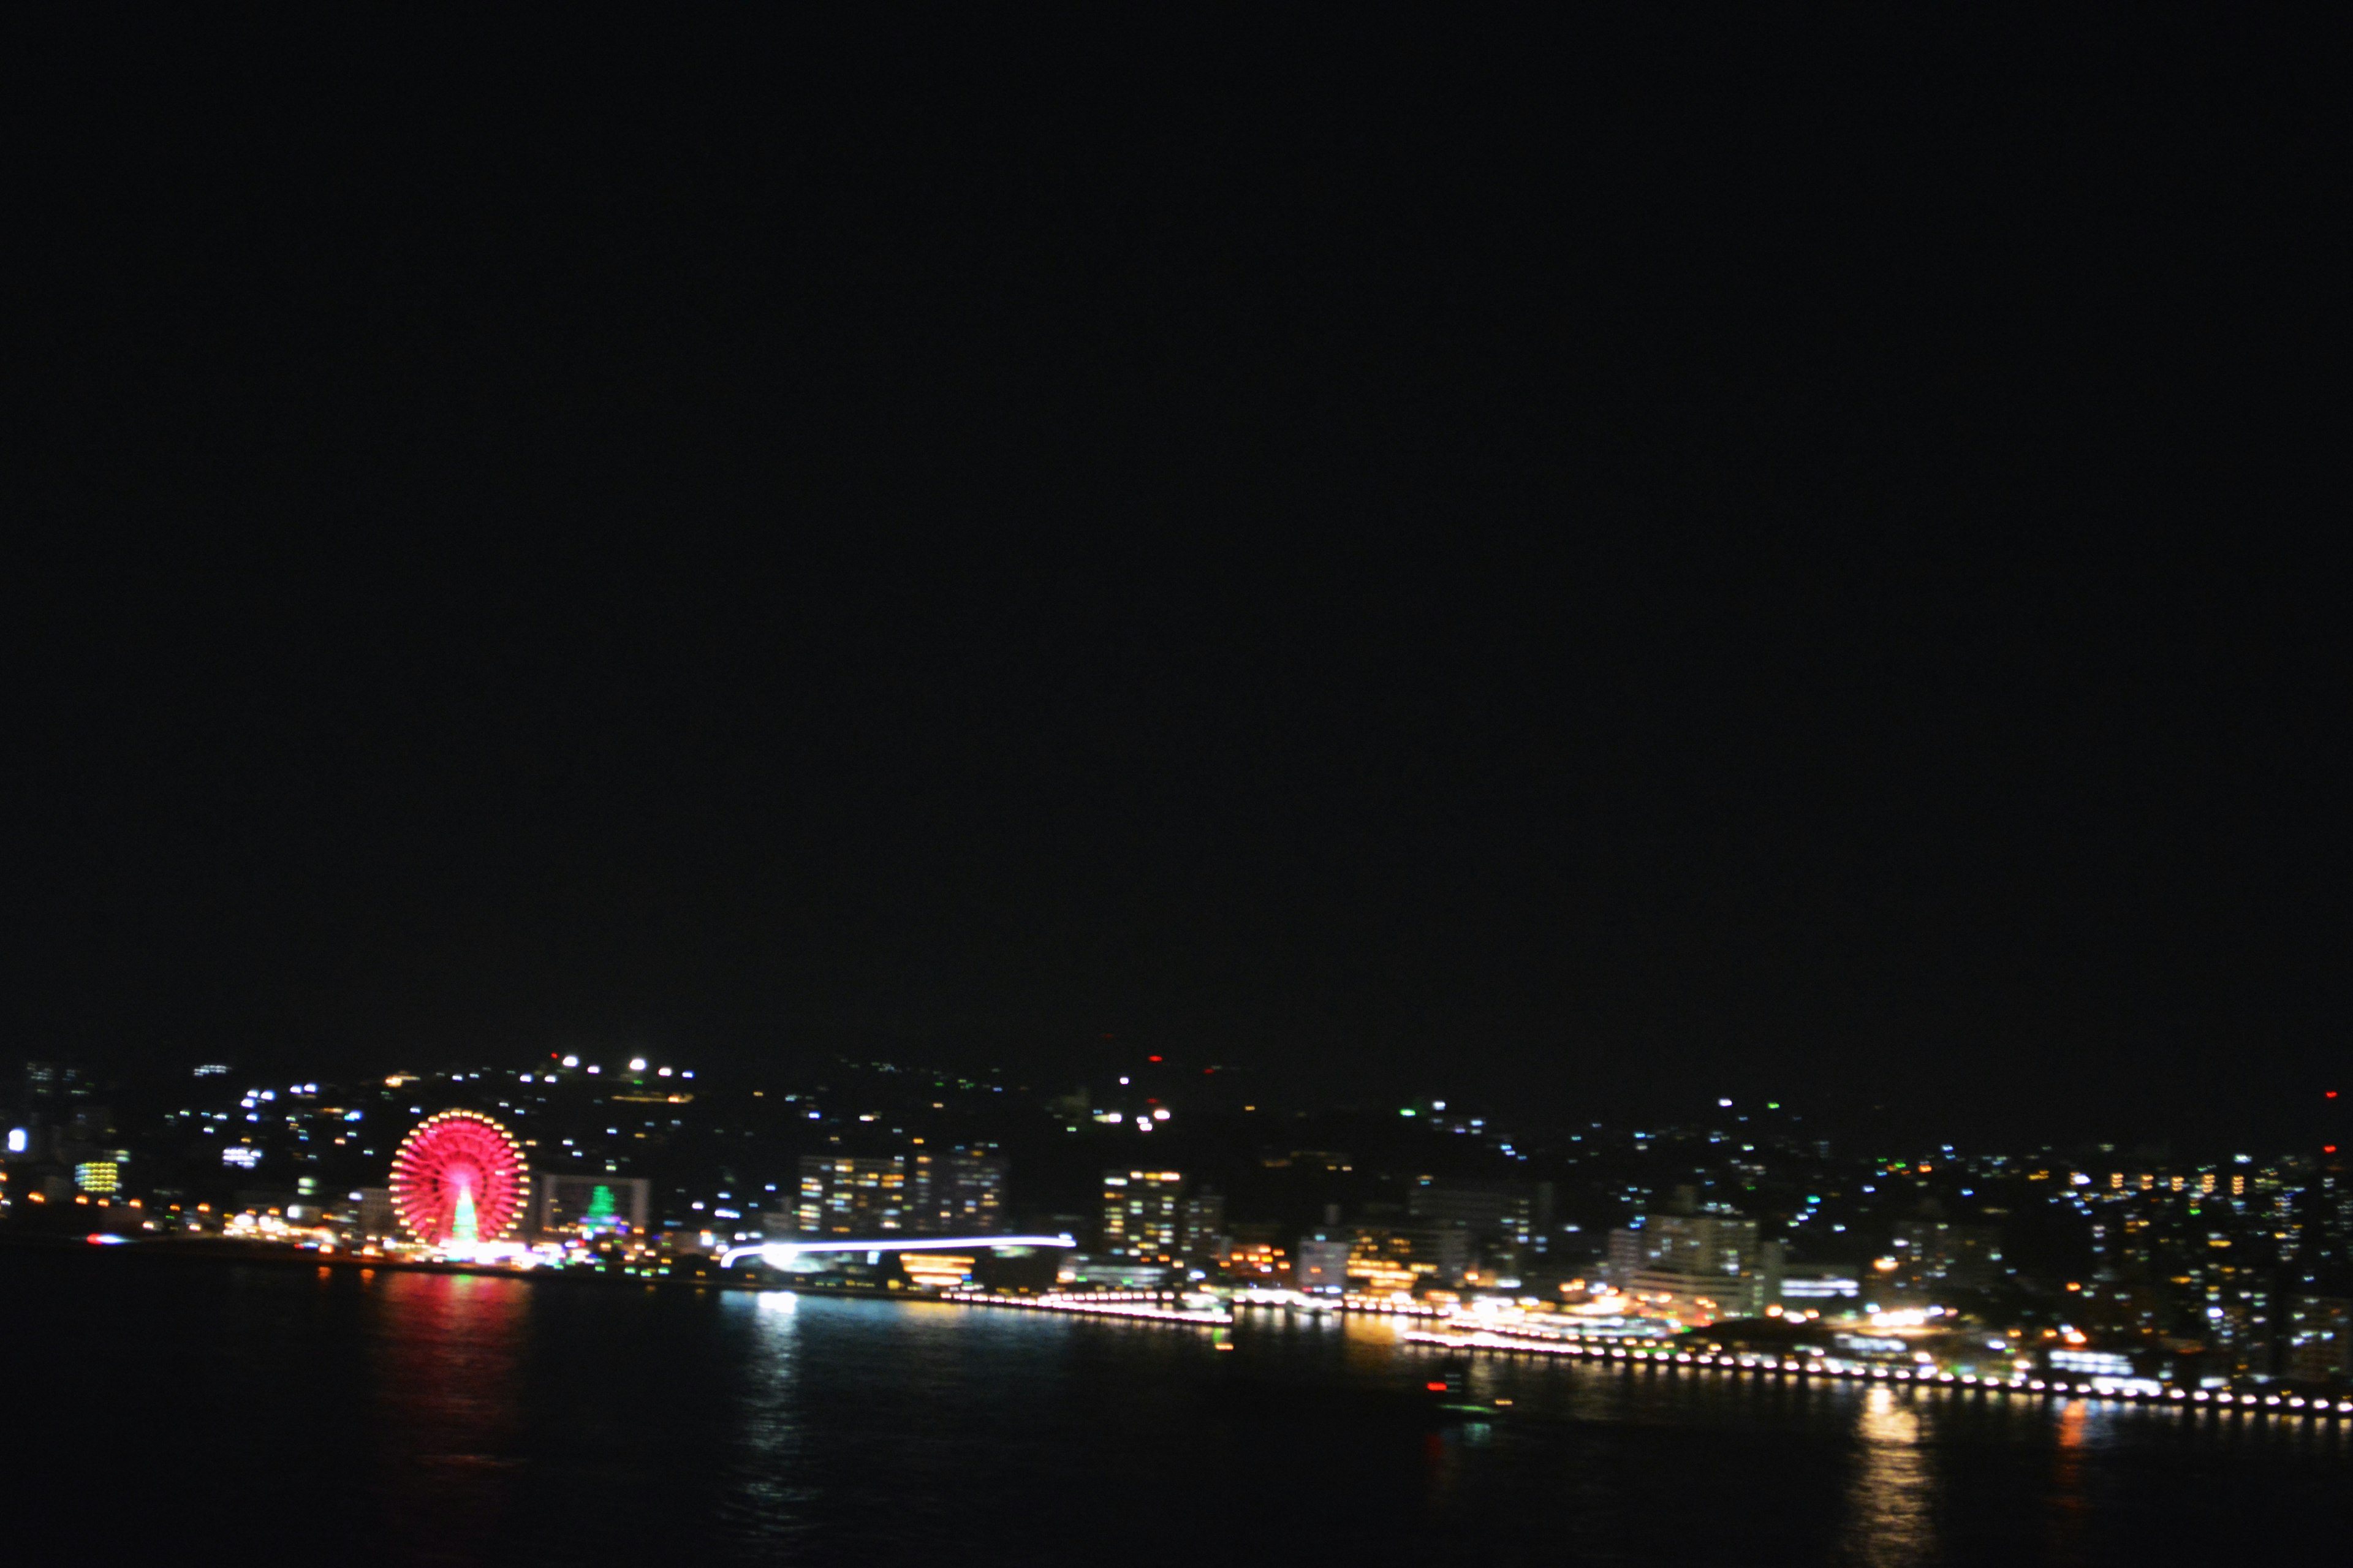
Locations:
(458, 1180)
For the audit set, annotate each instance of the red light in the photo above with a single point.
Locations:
(1152, 1058)
(2332, 1094)
(458, 1151)
(2328, 1148)
(1435, 1387)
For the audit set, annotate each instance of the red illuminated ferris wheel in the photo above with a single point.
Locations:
(459, 1178)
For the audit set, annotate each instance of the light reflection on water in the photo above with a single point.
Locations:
(1891, 1522)
(448, 1359)
(768, 1495)
(449, 1419)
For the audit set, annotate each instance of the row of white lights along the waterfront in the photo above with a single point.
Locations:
(2178, 1398)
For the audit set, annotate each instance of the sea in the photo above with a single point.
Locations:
(164, 1410)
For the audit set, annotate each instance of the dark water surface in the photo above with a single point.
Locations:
(274, 1413)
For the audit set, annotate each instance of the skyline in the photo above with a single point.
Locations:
(1180, 1196)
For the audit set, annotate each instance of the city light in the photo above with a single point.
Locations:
(1689, 1257)
(784, 1255)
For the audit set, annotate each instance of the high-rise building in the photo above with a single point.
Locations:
(2319, 1337)
(1694, 1266)
(47, 1082)
(955, 1193)
(1629, 1251)
(1142, 1214)
(1711, 1244)
(1933, 1257)
(1201, 1227)
(844, 1195)
(1507, 1222)
(1512, 1212)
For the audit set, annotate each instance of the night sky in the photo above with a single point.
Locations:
(1587, 570)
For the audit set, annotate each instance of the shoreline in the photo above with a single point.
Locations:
(220, 1253)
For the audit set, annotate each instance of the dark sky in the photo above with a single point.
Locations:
(1577, 567)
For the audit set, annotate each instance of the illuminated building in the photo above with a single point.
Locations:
(2204, 1266)
(46, 1081)
(1322, 1263)
(1406, 1257)
(1825, 1287)
(99, 1178)
(1111, 1273)
(376, 1219)
(1201, 1227)
(591, 1205)
(1259, 1260)
(1512, 1214)
(1142, 1214)
(1628, 1252)
(1711, 1245)
(1695, 1267)
(936, 1271)
(1935, 1259)
(956, 1193)
(948, 1193)
(2320, 1339)
(846, 1196)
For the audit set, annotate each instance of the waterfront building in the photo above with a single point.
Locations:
(848, 1195)
(1826, 1287)
(2210, 1267)
(1142, 1215)
(2319, 1338)
(1409, 1256)
(959, 1192)
(1258, 1262)
(1104, 1272)
(1695, 1266)
(934, 1270)
(1323, 1264)
(376, 1219)
(1201, 1228)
